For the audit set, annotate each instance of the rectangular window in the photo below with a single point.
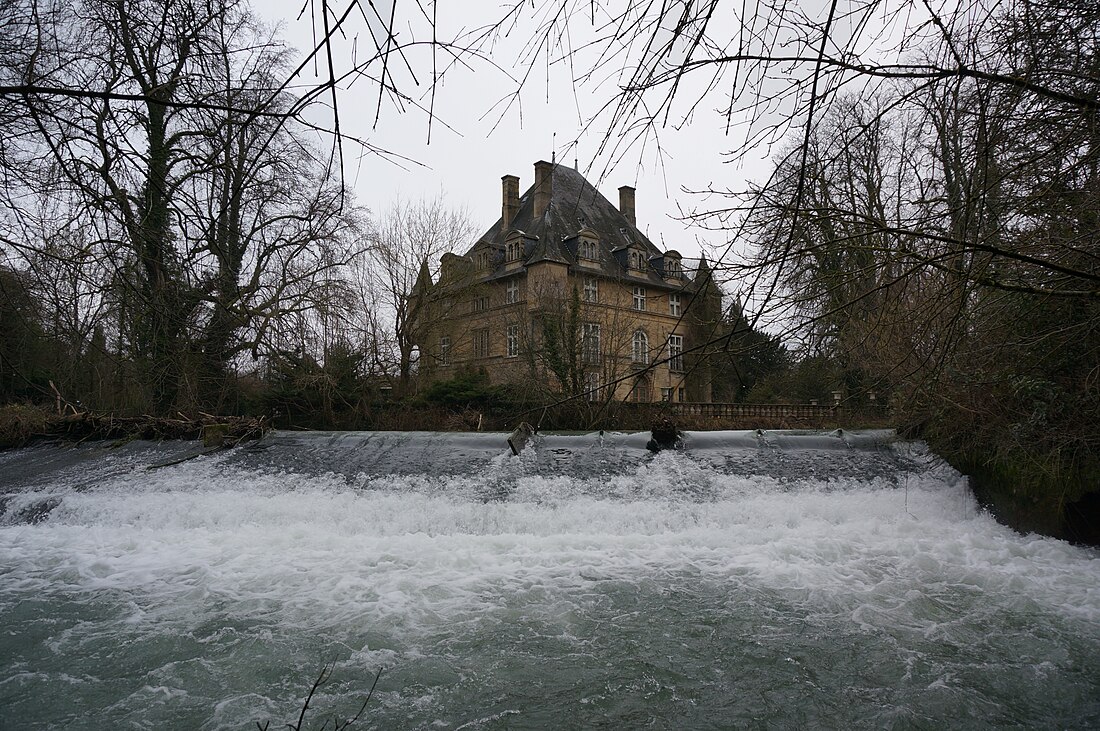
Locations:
(481, 304)
(591, 290)
(639, 298)
(674, 305)
(511, 292)
(445, 350)
(680, 393)
(666, 394)
(676, 352)
(590, 343)
(481, 343)
(592, 385)
(513, 341)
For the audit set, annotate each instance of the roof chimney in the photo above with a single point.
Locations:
(626, 203)
(509, 185)
(544, 186)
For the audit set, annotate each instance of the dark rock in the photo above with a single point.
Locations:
(665, 436)
(1082, 520)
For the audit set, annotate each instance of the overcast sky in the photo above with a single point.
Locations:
(475, 140)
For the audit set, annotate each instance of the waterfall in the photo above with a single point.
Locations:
(752, 578)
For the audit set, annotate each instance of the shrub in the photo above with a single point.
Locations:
(20, 422)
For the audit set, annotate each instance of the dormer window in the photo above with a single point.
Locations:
(588, 250)
(447, 266)
(483, 259)
(637, 260)
(514, 250)
(674, 268)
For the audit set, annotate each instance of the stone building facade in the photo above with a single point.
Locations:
(564, 294)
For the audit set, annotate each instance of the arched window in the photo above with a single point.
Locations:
(639, 352)
(514, 250)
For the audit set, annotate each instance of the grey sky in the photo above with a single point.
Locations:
(477, 139)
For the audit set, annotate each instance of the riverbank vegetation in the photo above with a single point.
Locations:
(177, 238)
(24, 424)
(936, 239)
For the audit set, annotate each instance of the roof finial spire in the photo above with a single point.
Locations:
(553, 148)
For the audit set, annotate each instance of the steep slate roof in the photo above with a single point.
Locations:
(576, 204)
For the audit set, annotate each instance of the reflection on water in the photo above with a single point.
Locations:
(775, 579)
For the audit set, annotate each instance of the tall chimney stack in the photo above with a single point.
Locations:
(544, 186)
(509, 185)
(626, 204)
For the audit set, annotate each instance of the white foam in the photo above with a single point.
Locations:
(420, 545)
(257, 554)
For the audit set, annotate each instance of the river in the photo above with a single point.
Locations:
(752, 580)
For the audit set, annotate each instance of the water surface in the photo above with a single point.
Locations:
(775, 580)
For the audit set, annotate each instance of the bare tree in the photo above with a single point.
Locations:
(931, 218)
(408, 242)
(215, 213)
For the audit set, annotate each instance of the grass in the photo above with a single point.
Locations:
(22, 423)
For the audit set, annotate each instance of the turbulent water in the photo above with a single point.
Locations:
(770, 580)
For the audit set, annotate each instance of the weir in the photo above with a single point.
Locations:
(811, 579)
(787, 454)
